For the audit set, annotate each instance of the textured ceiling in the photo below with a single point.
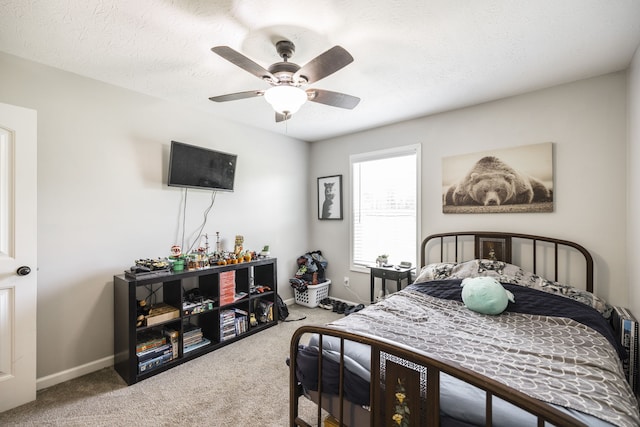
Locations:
(412, 58)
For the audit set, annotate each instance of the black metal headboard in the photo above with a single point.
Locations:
(501, 246)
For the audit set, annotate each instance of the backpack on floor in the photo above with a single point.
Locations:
(283, 310)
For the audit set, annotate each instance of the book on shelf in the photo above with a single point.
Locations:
(227, 324)
(233, 322)
(239, 296)
(190, 329)
(149, 339)
(154, 352)
(241, 321)
(153, 363)
(625, 327)
(200, 344)
(242, 325)
(192, 338)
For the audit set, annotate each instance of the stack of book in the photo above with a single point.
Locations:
(227, 324)
(241, 321)
(626, 329)
(227, 287)
(193, 338)
(152, 351)
(233, 323)
(149, 339)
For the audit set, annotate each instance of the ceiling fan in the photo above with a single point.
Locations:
(287, 94)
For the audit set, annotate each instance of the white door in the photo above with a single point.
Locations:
(18, 263)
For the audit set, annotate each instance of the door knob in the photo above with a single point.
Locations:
(23, 271)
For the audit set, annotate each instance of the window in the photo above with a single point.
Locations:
(385, 202)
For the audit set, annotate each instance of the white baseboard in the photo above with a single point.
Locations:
(87, 368)
(69, 374)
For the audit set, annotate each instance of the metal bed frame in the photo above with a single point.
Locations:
(424, 372)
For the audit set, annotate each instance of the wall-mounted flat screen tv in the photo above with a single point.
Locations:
(196, 167)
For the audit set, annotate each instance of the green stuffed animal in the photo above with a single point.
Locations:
(485, 295)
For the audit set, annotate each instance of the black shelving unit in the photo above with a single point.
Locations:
(172, 289)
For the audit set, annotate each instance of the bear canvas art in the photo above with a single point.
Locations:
(492, 184)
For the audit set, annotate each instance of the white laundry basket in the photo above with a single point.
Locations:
(313, 295)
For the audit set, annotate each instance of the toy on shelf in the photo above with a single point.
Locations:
(149, 267)
(176, 259)
(238, 246)
(265, 251)
(142, 311)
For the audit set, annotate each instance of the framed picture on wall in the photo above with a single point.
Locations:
(330, 197)
(493, 248)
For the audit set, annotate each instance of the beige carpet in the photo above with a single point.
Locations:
(245, 383)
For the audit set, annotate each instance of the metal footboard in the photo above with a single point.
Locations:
(403, 384)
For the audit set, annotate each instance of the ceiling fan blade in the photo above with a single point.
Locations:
(324, 64)
(243, 62)
(335, 99)
(282, 117)
(236, 96)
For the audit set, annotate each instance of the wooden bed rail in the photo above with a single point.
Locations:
(443, 238)
(425, 410)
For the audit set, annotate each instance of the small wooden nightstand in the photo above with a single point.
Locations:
(389, 273)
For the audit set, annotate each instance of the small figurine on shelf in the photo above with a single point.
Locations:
(192, 263)
(176, 259)
(201, 258)
(177, 264)
(218, 244)
(214, 258)
(244, 256)
(265, 251)
(238, 245)
(142, 311)
(206, 243)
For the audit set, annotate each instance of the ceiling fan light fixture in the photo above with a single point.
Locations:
(285, 99)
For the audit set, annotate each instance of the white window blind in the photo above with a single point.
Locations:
(385, 205)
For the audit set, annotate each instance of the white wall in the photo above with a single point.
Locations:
(634, 185)
(103, 200)
(585, 120)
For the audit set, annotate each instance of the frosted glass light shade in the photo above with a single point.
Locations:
(286, 99)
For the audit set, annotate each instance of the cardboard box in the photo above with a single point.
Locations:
(160, 313)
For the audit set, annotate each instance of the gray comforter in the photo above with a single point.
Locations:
(553, 359)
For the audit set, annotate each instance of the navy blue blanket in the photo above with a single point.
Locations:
(531, 301)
